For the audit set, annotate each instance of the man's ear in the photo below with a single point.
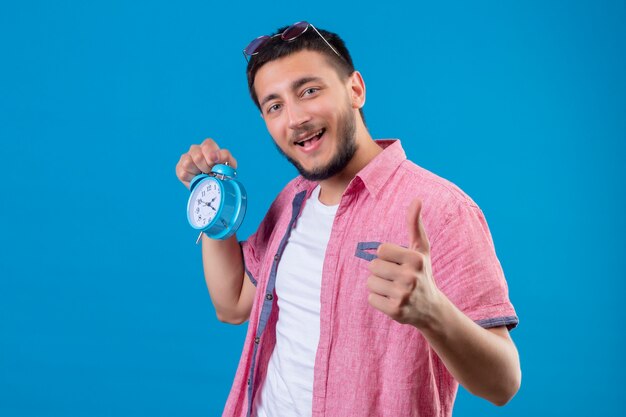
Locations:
(357, 90)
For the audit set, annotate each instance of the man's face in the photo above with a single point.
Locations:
(308, 112)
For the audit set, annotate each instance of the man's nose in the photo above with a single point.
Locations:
(297, 116)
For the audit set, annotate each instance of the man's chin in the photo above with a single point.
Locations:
(315, 173)
(314, 176)
(320, 173)
(311, 174)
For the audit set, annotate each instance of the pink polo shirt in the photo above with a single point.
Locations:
(368, 364)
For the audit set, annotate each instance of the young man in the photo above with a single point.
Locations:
(372, 287)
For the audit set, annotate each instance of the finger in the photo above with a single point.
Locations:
(224, 155)
(381, 303)
(418, 240)
(197, 155)
(381, 286)
(209, 150)
(394, 253)
(181, 175)
(210, 144)
(385, 269)
(186, 168)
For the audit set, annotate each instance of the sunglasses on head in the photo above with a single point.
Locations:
(288, 35)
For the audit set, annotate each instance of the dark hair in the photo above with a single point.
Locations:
(275, 48)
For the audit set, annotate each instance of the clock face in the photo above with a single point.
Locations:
(205, 202)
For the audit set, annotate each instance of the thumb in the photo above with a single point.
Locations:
(418, 240)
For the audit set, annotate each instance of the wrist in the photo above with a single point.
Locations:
(434, 322)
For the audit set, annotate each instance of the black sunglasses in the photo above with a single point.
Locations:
(289, 34)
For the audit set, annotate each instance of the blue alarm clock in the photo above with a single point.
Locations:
(217, 204)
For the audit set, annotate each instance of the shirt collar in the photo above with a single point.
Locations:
(378, 171)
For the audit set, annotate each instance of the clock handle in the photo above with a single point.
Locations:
(221, 176)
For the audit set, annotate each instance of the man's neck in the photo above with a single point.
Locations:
(332, 188)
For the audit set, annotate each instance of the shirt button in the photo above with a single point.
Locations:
(275, 257)
(269, 296)
(256, 340)
(248, 381)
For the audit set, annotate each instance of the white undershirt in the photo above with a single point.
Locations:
(288, 387)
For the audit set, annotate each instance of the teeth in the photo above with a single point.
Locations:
(301, 142)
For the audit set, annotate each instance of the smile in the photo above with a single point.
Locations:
(310, 140)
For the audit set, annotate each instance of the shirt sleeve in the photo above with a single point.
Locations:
(253, 249)
(247, 254)
(467, 270)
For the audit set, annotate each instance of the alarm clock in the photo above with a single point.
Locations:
(217, 203)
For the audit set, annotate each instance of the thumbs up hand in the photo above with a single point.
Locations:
(402, 284)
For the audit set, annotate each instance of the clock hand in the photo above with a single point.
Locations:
(204, 203)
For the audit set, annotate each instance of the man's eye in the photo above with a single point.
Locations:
(310, 91)
(273, 108)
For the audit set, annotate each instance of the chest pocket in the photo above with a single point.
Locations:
(366, 250)
(361, 312)
(355, 292)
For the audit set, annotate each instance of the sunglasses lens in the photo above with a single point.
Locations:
(294, 31)
(254, 46)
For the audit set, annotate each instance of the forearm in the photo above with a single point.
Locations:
(484, 361)
(224, 275)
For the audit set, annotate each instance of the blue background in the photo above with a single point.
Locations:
(103, 306)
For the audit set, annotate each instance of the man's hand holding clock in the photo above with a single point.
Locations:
(201, 159)
(217, 204)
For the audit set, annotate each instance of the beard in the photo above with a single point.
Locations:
(345, 150)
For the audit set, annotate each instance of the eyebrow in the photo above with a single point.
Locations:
(294, 86)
